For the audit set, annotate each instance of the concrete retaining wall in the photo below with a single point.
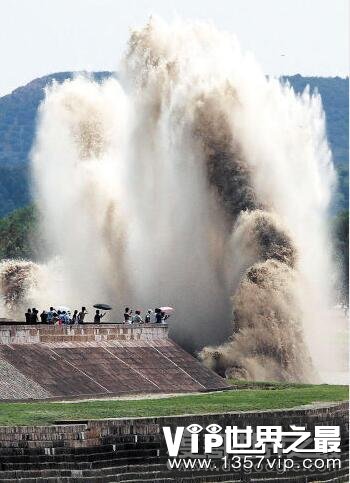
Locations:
(64, 362)
(34, 334)
(134, 449)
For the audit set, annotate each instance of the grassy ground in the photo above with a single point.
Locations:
(250, 396)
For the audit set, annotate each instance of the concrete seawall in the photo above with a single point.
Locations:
(35, 334)
(133, 449)
(52, 362)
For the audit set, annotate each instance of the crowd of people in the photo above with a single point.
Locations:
(59, 317)
(151, 317)
(64, 317)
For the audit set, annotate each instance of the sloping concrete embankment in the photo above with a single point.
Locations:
(52, 362)
(129, 450)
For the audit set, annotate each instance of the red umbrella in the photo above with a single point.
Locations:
(167, 310)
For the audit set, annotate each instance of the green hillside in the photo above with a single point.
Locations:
(18, 234)
(17, 128)
(334, 92)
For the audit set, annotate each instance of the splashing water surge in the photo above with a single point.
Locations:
(192, 181)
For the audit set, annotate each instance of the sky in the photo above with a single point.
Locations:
(39, 37)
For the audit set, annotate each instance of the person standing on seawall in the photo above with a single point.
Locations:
(148, 317)
(43, 317)
(28, 316)
(98, 317)
(34, 317)
(81, 315)
(137, 319)
(158, 315)
(164, 316)
(75, 317)
(127, 315)
(50, 315)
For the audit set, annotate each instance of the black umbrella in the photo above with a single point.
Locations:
(103, 306)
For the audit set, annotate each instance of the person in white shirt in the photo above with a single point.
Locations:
(137, 319)
(164, 317)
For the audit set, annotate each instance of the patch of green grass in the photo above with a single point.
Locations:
(38, 413)
(240, 384)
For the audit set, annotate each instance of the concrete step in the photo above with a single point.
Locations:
(99, 460)
(159, 477)
(8, 452)
(62, 441)
(31, 473)
(81, 457)
(158, 473)
(83, 465)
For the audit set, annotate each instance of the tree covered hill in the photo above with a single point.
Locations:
(335, 97)
(18, 112)
(17, 127)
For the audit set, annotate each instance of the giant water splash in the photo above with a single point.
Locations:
(192, 181)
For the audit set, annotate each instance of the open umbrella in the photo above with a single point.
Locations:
(103, 306)
(167, 310)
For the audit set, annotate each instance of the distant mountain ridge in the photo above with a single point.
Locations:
(17, 129)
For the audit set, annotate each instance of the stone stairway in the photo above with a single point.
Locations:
(134, 450)
(140, 467)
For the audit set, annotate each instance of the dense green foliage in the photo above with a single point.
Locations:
(341, 242)
(14, 189)
(18, 234)
(334, 92)
(18, 112)
(282, 396)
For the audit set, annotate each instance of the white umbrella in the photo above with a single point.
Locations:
(62, 308)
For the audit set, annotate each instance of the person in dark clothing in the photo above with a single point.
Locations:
(148, 316)
(158, 315)
(34, 317)
(75, 317)
(81, 315)
(98, 317)
(28, 316)
(43, 317)
(127, 315)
